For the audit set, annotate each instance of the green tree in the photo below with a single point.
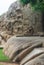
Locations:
(36, 5)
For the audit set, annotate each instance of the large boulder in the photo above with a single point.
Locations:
(17, 48)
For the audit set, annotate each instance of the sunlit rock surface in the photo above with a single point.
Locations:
(24, 49)
(21, 20)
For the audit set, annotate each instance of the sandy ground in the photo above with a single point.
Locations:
(6, 63)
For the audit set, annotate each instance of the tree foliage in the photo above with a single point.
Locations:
(36, 4)
(24, 1)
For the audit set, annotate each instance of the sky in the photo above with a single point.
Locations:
(4, 5)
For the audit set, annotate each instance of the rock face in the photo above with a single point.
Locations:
(31, 55)
(24, 49)
(21, 21)
(21, 46)
(36, 61)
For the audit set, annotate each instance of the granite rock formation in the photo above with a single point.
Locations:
(21, 20)
(25, 49)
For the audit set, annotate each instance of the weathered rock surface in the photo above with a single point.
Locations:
(21, 21)
(36, 61)
(22, 54)
(3, 38)
(31, 55)
(17, 48)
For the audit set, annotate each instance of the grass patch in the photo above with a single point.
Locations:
(2, 56)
